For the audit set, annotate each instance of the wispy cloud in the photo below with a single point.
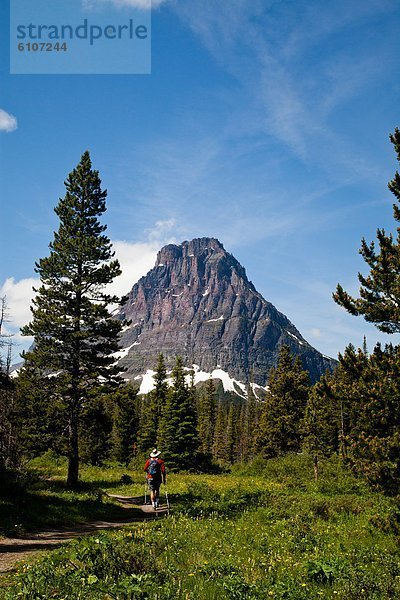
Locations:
(275, 50)
(8, 122)
(285, 97)
(225, 174)
(217, 186)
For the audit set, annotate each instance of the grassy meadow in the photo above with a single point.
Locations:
(268, 531)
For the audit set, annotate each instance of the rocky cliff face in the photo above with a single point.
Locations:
(198, 303)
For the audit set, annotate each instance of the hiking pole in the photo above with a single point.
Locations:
(145, 490)
(166, 497)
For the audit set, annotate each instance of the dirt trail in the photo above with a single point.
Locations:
(13, 550)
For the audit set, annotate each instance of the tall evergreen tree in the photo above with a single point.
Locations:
(161, 387)
(219, 448)
(321, 422)
(248, 426)
(152, 407)
(95, 429)
(379, 300)
(345, 388)
(148, 423)
(9, 452)
(74, 336)
(369, 389)
(42, 422)
(178, 427)
(279, 428)
(231, 434)
(124, 409)
(206, 418)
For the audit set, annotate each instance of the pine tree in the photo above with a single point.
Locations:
(371, 388)
(9, 452)
(148, 423)
(248, 426)
(95, 429)
(124, 410)
(178, 427)
(379, 300)
(282, 412)
(152, 408)
(231, 435)
(74, 336)
(42, 422)
(219, 449)
(243, 433)
(206, 418)
(321, 422)
(161, 387)
(345, 387)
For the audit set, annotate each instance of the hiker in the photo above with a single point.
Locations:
(155, 469)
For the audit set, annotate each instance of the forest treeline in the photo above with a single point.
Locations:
(70, 395)
(354, 411)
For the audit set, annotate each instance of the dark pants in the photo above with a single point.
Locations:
(154, 484)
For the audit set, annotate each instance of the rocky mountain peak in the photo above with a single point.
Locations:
(199, 247)
(198, 303)
(202, 262)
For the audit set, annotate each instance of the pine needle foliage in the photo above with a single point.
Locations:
(279, 429)
(321, 422)
(368, 388)
(152, 407)
(379, 300)
(177, 432)
(206, 418)
(74, 336)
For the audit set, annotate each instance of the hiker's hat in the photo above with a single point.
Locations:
(154, 453)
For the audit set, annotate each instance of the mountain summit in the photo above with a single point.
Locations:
(198, 303)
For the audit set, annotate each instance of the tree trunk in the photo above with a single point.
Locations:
(342, 442)
(73, 454)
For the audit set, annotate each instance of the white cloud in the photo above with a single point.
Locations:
(316, 333)
(19, 295)
(136, 259)
(8, 122)
(161, 230)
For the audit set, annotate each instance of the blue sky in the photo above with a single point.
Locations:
(263, 123)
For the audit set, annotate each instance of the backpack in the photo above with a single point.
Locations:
(154, 469)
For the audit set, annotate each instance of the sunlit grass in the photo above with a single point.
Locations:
(259, 532)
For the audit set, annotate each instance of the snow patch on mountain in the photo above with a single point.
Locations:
(221, 318)
(124, 352)
(296, 338)
(229, 383)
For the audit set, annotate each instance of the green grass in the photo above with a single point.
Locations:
(268, 533)
(44, 501)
